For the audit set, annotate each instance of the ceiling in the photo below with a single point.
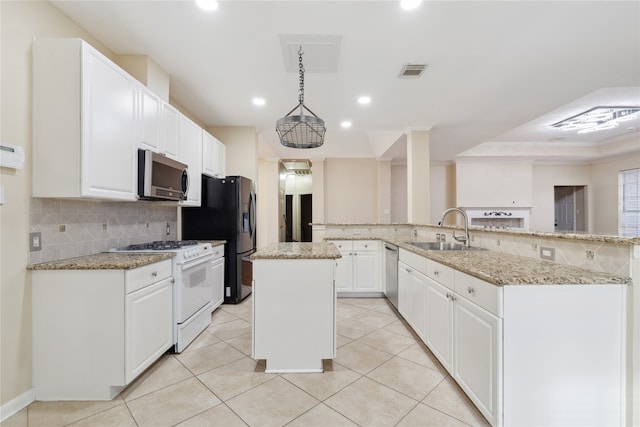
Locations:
(498, 72)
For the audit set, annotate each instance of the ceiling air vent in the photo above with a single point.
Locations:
(412, 70)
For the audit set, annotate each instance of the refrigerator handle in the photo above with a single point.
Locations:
(252, 214)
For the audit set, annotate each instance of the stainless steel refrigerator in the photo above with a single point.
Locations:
(227, 212)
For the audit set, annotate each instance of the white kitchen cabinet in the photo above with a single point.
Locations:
(85, 123)
(213, 156)
(411, 293)
(169, 130)
(190, 153)
(477, 355)
(439, 322)
(526, 355)
(217, 275)
(94, 331)
(150, 115)
(148, 326)
(358, 271)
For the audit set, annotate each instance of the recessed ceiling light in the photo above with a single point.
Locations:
(258, 101)
(364, 100)
(410, 4)
(208, 5)
(346, 124)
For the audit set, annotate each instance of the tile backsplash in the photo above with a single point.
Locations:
(71, 228)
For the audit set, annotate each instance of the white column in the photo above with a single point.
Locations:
(384, 191)
(418, 159)
(317, 198)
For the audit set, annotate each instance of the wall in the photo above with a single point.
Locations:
(493, 183)
(604, 183)
(350, 190)
(398, 194)
(241, 144)
(268, 211)
(20, 22)
(545, 177)
(442, 187)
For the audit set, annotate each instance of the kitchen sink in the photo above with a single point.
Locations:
(444, 246)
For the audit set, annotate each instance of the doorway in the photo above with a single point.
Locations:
(296, 204)
(570, 203)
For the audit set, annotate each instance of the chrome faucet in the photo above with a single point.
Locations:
(464, 239)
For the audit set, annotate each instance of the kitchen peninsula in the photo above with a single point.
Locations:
(294, 303)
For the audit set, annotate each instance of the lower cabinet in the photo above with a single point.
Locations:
(411, 293)
(217, 275)
(94, 331)
(526, 355)
(359, 268)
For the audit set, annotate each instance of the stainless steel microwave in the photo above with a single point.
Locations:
(161, 178)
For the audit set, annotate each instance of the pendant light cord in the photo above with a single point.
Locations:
(301, 69)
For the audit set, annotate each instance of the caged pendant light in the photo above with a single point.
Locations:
(303, 130)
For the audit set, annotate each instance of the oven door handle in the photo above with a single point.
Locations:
(194, 262)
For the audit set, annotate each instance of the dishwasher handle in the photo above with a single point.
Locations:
(391, 248)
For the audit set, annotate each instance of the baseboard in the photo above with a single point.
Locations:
(14, 406)
(351, 294)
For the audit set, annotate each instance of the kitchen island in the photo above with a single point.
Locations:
(294, 306)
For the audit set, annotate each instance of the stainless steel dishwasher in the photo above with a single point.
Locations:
(391, 272)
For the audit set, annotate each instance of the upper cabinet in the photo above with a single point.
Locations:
(213, 156)
(494, 184)
(169, 125)
(190, 153)
(85, 123)
(149, 103)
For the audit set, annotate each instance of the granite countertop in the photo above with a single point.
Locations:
(298, 251)
(502, 268)
(103, 261)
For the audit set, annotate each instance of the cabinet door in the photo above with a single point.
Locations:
(149, 116)
(365, 271)
(148, 326)
(217, 276)
(109, 123)
(344, 272)
(170, 124)
(404, 285)
(417, 285)
(477, 355)
(190, 135)
(439, 322)
(222, 159)
(211, 152)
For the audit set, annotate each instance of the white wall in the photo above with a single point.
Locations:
(604, 177)
(350, 190)
(268, 212)
(241, 144)
(545, 177)
(20, 22)
(398, 194)
(498, 184)
(442, 186)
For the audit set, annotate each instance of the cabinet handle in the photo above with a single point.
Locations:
(436, 273)
(154, 274)
(407, 270)
(366, 246)
(448, 295)
(453, 297)
(470, 290)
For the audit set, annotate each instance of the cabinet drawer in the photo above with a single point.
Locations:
(484, 294)
(365, 245)
(343, 245)
(218, 252)
(140, 277)
(440, 273)
(416, 261)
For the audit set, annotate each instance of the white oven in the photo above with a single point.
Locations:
(192, 288)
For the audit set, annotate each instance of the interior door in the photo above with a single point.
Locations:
(563, 202)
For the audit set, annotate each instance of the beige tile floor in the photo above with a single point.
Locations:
(382, 376)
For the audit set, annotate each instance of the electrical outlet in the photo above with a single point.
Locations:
(62, 228)
(147, 224)
(547, 253)
(104, 227)
(35, 241)
(534, 246)
(497, 242)
(168, 229)
(591, 255)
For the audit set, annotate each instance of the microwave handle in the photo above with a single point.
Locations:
(185, 184)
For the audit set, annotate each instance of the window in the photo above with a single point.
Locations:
(629, 203)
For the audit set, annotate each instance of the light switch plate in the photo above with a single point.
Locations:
(35, 241)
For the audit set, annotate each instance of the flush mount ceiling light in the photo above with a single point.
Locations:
(598, 118)
(303, 130)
